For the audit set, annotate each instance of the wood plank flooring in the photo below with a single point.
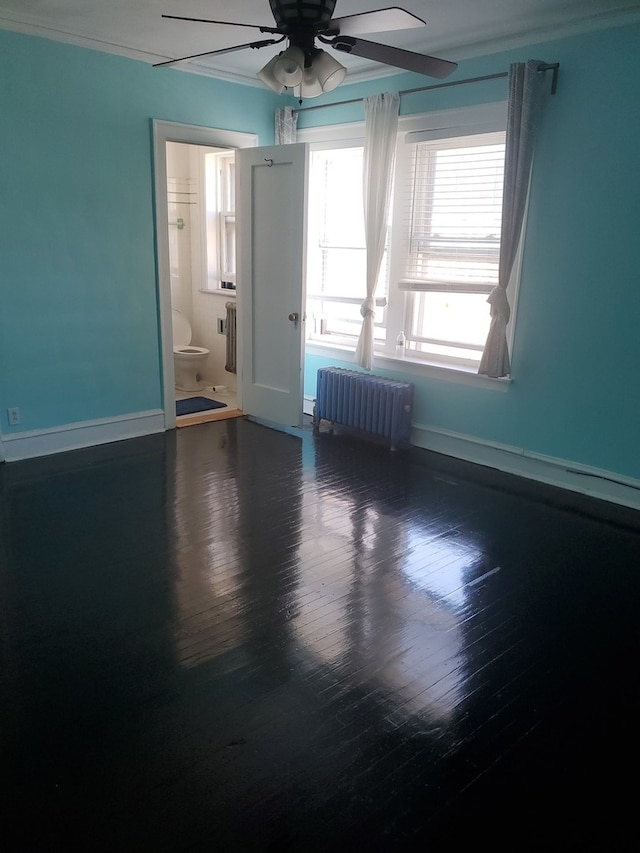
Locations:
(230, 638)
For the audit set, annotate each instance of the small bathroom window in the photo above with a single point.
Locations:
(221, 220)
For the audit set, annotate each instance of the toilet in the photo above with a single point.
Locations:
(188, 361)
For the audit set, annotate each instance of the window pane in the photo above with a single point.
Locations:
(337, 196)
(229, 246)
(454, 317)
(336, 255)
(343, 272)
(339, 318)
(335, 247)
(230, 186)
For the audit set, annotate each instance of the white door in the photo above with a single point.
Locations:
(271, 196)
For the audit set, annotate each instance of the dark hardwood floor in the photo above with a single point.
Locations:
(231, 638)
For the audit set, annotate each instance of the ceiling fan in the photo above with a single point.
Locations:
(310, 71)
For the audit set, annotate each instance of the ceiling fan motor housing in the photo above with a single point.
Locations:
(301, 12)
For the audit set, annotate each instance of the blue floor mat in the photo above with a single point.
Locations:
(197, 404)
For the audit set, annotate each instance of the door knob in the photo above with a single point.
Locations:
(294, 316)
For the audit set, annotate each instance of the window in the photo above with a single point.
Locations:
(451, 248)
(443, 245)
(336, 255)
(221, 220)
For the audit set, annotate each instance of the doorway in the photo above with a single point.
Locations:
(202, 253)
(178, 144)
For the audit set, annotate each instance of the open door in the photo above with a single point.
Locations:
(271, 203)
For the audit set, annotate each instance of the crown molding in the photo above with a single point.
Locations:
(33, 28)
(548, 33)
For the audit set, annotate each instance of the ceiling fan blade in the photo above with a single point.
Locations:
(380, 21)
(395, 56)
(226, 23)
(253, 44)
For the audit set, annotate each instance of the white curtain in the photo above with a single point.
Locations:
(526, 88)
(381, 127)
(286, 125)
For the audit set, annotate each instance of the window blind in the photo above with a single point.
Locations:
(453, 211)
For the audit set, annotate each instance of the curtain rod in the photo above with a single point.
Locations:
(544, 66)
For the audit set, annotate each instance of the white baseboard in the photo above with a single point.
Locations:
(563, 473)
(43, 442)
(566, 474)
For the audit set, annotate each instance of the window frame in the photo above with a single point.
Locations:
(220, 212)
(456, 352)
(441, 124)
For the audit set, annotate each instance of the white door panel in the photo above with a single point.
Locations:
(271, 241)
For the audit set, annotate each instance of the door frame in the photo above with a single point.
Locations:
(190, 134)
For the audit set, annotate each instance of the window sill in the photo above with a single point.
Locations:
(414, 367)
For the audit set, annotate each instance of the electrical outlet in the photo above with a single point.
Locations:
(13, 416)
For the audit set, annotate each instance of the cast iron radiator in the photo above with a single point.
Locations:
(369, 404)
(230, 358)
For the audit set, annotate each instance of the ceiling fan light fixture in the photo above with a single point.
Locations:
(266, 75)
(329, 71)
(289, 66)
(310, 87)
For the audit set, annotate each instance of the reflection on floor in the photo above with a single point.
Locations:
(229, 638)
(222, 395)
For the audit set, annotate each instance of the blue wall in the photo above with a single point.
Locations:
(576, 391)
(78, 296)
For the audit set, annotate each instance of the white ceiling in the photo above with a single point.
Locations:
(456, 29)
